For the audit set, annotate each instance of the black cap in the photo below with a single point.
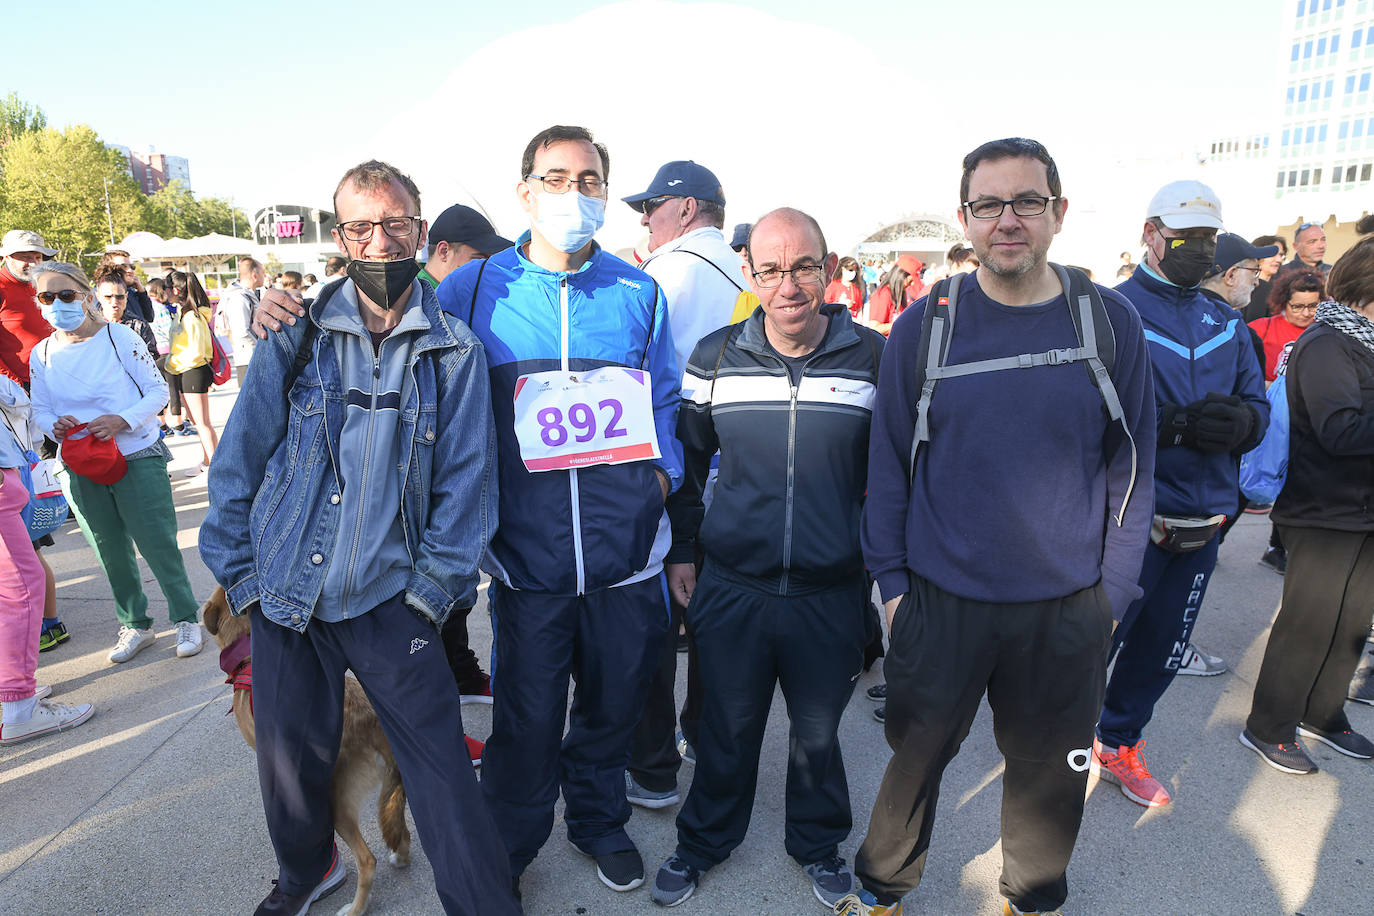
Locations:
(460, 224)
(741, 236)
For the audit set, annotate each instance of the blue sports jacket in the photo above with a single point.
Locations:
(576, 531)
(1197, 346)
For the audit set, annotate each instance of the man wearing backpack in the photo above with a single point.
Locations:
(1209, 389)
(1005, 553)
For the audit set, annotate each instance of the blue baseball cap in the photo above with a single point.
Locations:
(1232, 249)
(741, 236)
(682, 178)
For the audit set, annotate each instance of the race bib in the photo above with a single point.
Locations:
(569, 420)
(45, 478)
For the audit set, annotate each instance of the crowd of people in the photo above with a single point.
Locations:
(677, 454)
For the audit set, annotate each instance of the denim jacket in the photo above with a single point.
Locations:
(274, 485)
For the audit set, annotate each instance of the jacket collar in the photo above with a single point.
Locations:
(425, 317)
(839, 332)
(524, 263)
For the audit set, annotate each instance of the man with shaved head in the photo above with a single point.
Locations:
(785, 397)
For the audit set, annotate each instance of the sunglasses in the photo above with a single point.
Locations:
(66, 295)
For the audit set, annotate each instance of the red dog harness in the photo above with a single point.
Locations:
(236, 660)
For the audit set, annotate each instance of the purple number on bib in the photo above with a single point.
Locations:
(551, 426)
(581, 417)
(612, 431)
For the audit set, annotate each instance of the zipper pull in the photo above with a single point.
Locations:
(376, 367)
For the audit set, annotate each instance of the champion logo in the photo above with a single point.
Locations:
(839, 390)
(417, 644)
(675, 182)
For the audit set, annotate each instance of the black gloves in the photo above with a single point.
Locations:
(1217, 423)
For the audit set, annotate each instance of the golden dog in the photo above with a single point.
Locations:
(365, 758)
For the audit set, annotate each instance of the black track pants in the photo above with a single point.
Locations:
(1043, 666)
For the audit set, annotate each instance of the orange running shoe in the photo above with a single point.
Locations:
(1126, 768)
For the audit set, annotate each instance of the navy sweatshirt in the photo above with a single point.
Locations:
(1017, 492)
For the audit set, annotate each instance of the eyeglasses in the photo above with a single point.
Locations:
(989, 208)
(1238, 267)
(360, 230)
(654, 203)
(771, 277)
(1302, 308)
(117, 297)
(590, 185)
(66, 295)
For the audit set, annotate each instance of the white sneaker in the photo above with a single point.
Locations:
(42, 692)
(1199, 663)
(189, 640)
(47, 718)
(130, 643)
(196, 471)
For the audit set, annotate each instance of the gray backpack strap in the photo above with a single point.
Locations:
(937, 333)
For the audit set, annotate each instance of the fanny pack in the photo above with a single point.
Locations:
(1184, 534)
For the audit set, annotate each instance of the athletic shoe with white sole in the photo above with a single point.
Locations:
(831, 880)
(636, 794)
(1362, 685)
(1347, 741)
(47, 719)
(279, 903)
(42, 692)
(865, 904)
(1201, 664)
(189, 639)
(1286, 757)
(877, 693)
(1126, 767)
(620, 871)
(131, 642)
(674, 883)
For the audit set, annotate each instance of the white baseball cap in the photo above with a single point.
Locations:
(17, 240)
(1186, 205)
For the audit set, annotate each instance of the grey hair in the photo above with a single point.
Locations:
(66, 269)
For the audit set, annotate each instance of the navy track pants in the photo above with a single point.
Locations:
(1152, 638)
(609, 643)
(298, 690)
(748, 643)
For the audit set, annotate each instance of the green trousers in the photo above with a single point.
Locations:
(136, 510)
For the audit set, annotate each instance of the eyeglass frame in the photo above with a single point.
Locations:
(757, 274)
(66, 295)
(372, 227)
(1302, 308)
(1045, 205)
(653, 203)
(580, 183)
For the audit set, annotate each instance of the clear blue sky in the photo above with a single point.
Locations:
(249, 89)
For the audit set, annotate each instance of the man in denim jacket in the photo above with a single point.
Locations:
(351, 503)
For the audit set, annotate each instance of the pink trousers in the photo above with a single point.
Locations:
(21, 594)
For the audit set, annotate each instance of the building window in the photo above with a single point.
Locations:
(1364, 172)
(1292, 179)
(1330, 87)
(1302, 93)
(1316, 176)
(1364, 81)
(1291, 93)
(1302, 8)
(1356, 37)
(1343, 131)
(1335, 43)
(1321, 134)
(1349, 84)
(1285, 137)
(1321, 46)
(1307, 49)
(1350, 173)
(1306, 174)
(1311, 133)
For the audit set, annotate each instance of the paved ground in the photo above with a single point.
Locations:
(152, 807)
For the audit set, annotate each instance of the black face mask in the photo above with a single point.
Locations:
(1187, 261)
(384, 281)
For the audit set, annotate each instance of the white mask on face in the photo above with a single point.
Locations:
(847, 276)
(568, 221)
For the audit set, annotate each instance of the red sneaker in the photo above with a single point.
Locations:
(478, 690)
(474, 751)
(1126, 768)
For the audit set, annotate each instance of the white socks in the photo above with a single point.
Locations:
(18, 712)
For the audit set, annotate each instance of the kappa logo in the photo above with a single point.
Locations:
(417, 644)
(1208, 319)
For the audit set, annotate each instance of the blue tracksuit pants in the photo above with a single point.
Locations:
(609, 643)
(298, 688)
(1151, 640)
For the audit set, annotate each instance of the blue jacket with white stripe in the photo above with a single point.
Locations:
(570, 532)
(1197, 346)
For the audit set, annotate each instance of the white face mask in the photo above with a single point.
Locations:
(847, 276)
(568, 221)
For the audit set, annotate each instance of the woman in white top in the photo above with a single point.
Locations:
(89, 371)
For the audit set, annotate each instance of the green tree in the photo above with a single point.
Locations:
(17, 118)
(56, 183)
(173, 211)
